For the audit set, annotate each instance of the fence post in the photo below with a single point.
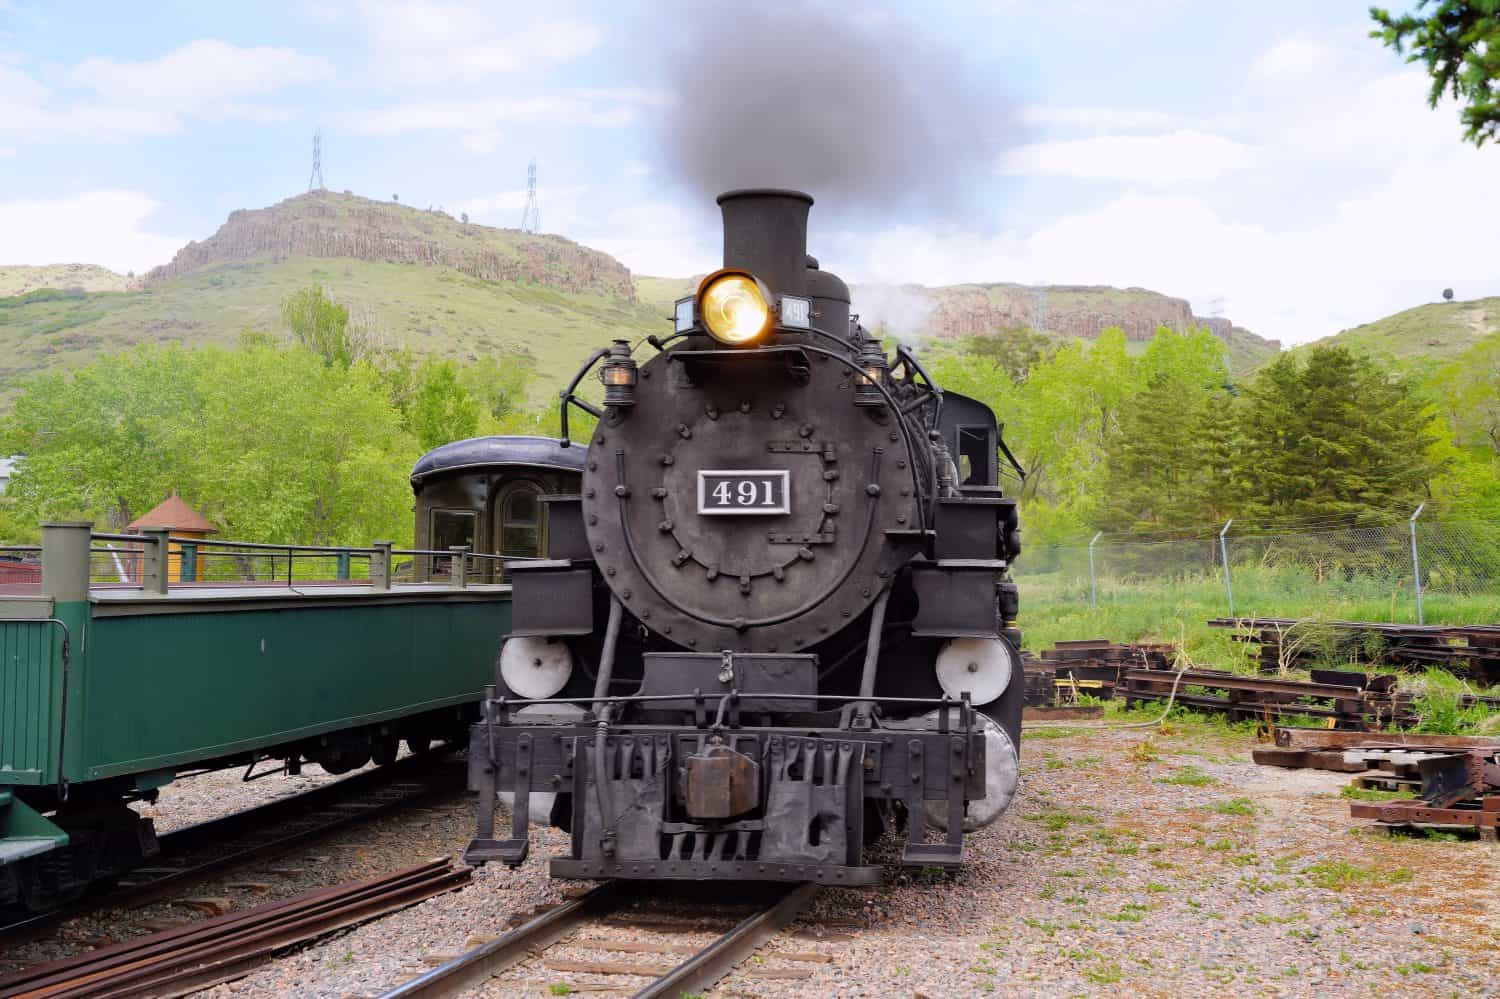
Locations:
(187, 561)
(155, 569)
(343, 565)
(65, 560)
(458, 566)
(380, 565)
(1224, 554)
(1093, 592)
(1416, 565)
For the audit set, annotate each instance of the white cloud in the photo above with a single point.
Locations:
(201, 77)
(204, 78)
(7, 152)
(436, 41)
(1322, 193)
(106, 226)
(481, 143)
(561, 205)
(486, 114)
(1097, 119)
(1166, 158)
(27, 110)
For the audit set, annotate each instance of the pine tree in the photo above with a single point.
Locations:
(1334, 438)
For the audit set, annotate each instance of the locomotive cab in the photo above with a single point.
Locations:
(778, 615)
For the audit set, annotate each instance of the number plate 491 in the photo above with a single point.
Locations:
(748, 491)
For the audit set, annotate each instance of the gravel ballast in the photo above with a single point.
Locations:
(1162, 864)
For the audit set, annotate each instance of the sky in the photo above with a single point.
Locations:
(1269, 162)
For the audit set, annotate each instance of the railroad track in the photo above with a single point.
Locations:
(698, 970)
(194, 853)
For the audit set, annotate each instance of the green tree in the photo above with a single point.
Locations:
(1165, 453)
(1336, 437)
(498, 385)
(442, 409)
(270, 441)
(1017, 350)
(101, 442)
(321, 325)
(1471, 387)
(1459, 41)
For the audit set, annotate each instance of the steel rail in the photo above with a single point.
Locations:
(183, 841)
(719, 958)
(469, 970)
(701, 970)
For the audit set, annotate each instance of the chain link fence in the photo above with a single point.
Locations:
(1399, 564)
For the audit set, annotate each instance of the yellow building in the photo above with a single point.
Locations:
(174, 514)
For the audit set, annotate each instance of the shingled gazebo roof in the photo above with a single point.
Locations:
(174, 514)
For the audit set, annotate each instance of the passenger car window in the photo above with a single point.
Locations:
(520, 522)
(449, 528)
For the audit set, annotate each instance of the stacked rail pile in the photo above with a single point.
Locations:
(1455, 779)
(1348, 700)
(1092, 666)
(1471, 651)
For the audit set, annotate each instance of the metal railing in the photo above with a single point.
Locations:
(156, 561)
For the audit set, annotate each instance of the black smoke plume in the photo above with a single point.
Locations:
(868, 114)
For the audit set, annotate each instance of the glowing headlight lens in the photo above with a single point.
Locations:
(734, 310)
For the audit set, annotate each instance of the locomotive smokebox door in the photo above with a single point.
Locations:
(719, 783)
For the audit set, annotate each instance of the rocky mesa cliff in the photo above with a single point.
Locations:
(325, 224)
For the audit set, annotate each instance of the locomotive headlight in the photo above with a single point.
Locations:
(735, 308)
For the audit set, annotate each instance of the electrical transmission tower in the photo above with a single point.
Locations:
(315, 181)
(531, 218)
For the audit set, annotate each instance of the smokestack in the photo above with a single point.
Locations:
(765, 233)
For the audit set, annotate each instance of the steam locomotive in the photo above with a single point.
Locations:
(778, 618)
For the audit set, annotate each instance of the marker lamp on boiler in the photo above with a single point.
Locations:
(873, 368)
(619, 376)
(682, 315)
(735, 308)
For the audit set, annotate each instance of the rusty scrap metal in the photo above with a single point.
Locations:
(201, 954)
(1466, 650)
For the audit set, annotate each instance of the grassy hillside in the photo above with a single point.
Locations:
(966, 310)
(19, 279)
(447, 287)
(1426, 335)
(433, 310)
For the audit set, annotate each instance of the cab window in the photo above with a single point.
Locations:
(975, 448)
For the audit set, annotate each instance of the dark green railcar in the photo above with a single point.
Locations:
(109, 692)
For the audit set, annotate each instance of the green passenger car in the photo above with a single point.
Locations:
(109, 692)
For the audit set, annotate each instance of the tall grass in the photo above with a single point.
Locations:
(1055, 607)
